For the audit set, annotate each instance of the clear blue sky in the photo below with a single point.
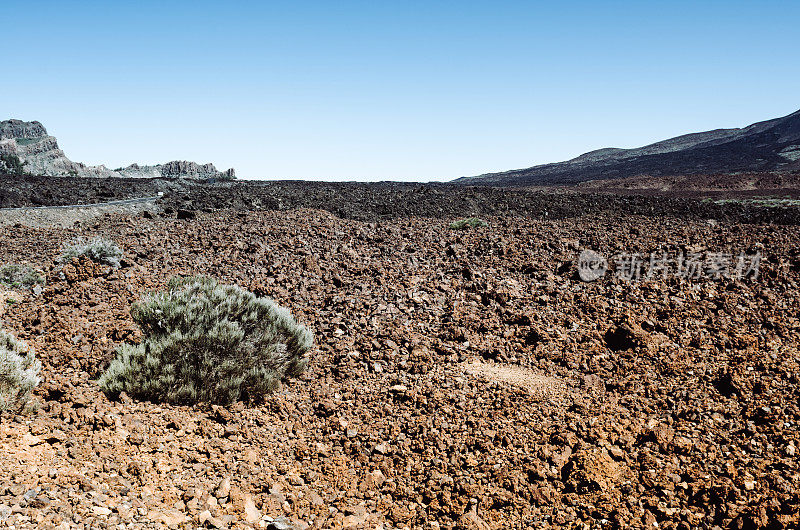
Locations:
(406, 90)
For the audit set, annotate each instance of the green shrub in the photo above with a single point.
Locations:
(21, 276)
(469, 222)
(19, 372)
(97, 249)
(12, 164)
(207, 342)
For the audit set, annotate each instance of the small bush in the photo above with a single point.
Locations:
(19, 372)
(469, 222)
(207, 342)
(98, 249)
(12, 164)
(20, 276)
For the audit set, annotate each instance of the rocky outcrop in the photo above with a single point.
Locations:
(40, 154)
(11, 129)
(178, 169)
(768, 146)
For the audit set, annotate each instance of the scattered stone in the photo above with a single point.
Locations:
(251, 514)
(670, 427)
(205, 518)
(626, 336)
(223, 488)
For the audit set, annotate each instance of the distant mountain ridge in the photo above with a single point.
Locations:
(768, 146)
(40, 155)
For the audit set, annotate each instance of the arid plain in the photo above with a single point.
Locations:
(460, 378)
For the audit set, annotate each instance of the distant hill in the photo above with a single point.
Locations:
(767, 146)
(26, 147)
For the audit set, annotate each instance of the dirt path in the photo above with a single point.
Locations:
(537, 384)
(67, 216)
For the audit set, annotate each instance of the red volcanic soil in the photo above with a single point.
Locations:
(461, 379)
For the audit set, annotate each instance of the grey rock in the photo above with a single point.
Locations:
(178, 169)
(10, 129)
(278, 524)
(41, 155)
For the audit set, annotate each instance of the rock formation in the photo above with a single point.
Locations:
(40, 152)
(41, 155)
(178, 169)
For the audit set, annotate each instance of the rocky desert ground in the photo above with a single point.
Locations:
(461, 378)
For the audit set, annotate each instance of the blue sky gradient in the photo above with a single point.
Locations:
(400, 90)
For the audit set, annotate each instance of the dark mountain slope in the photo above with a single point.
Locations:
(769, 146)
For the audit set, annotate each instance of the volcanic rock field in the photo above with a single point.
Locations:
(460, 379)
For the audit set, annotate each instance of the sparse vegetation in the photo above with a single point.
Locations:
(97, 249)
(207, 342)
(27, 141)
(469, 222)
(20, 276)
(12, 164)
(220, 178)
(19, 373)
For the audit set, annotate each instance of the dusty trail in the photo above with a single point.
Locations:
(67, 215)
